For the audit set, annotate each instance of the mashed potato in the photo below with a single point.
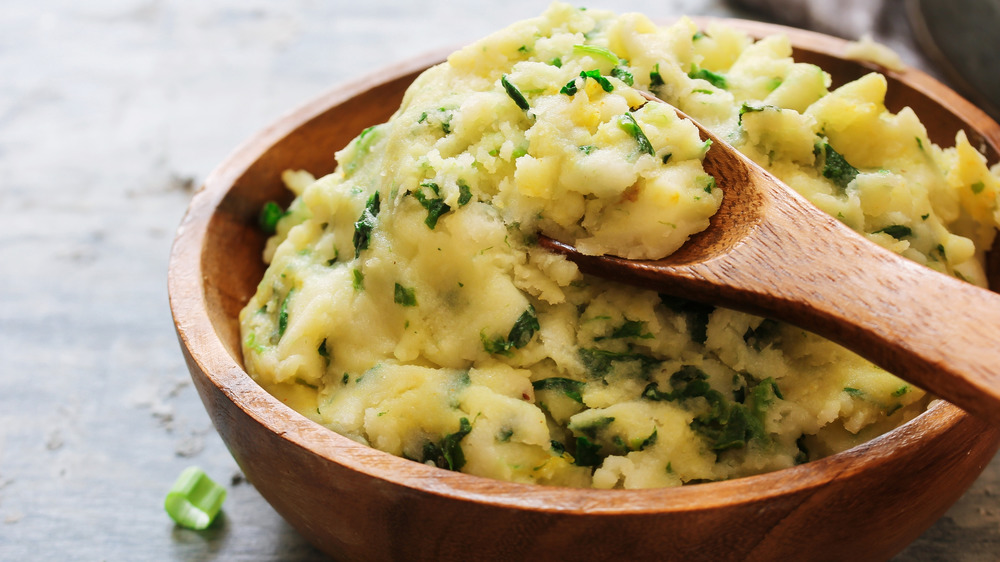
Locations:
(408, 307)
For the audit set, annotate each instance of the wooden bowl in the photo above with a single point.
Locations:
(358, 503)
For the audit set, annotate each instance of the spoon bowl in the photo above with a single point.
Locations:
(770, 252)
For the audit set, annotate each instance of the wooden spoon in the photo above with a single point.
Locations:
(770, 252)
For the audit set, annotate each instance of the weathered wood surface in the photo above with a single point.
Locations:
(110, 113)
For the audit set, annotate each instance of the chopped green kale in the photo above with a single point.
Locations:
(600, 362)
(713, 78)
(571, 88)
(897, 231)
(448, 452)
(628, 124)
(404, 296)
(520, 334)
(365, 223)
(655, 78)
(464, 193)
(435, 206)
(836, 168)
(269, 216)
(571, 388)
(514, 93)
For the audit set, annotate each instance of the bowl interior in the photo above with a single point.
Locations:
(217, 264)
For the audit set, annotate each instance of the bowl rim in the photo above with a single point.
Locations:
(201, 344)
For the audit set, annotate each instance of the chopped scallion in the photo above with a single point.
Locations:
(194, 500)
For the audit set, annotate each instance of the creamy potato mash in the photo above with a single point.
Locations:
(408, 307)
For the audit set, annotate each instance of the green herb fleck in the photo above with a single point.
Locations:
(836, 168)
(599, 52)
(748, 108)
(571, 88)
(520, 334)
(713, 78)
(978, 187)
(448, 453)
(435, 206)
(283, 314)
(269, 216)
(622, 73)
(655, 78)
(365, 223)
(628, 124)
(514, 93)
(359, 280)
(464, 193)
(901, 391)
(323, 351)
(571, 388)
(897, 231)
(556, 62)
(587, 452)
(600, 362)
(404, 296)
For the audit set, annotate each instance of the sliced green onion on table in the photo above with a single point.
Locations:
(194, 500)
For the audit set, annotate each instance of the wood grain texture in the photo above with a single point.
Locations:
(357, 503)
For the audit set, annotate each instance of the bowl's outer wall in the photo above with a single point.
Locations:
(357, 503)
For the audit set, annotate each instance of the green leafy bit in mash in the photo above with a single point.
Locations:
(655, 78)
(696, 314)
(724, 424)
(836, 168)
(441, 116)
(628, 124)
(269, 216)
(363, 145)
(435, 205)
(571, 388)
(622, 73)
(448, 453)
(464, 193)
(520, 334)
(598, 52)
(365, 223)
(763, 335)
(357, 280)
(978, 187)
(405, 296)
(632, 329)
(600, 362)
(283, 314)
(323, 351)
(897, 231)
(514, 93)
(754, 108)
(587, 452)
(571, 87)
(713, 78)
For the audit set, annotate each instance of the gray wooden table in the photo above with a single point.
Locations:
(111, 112)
